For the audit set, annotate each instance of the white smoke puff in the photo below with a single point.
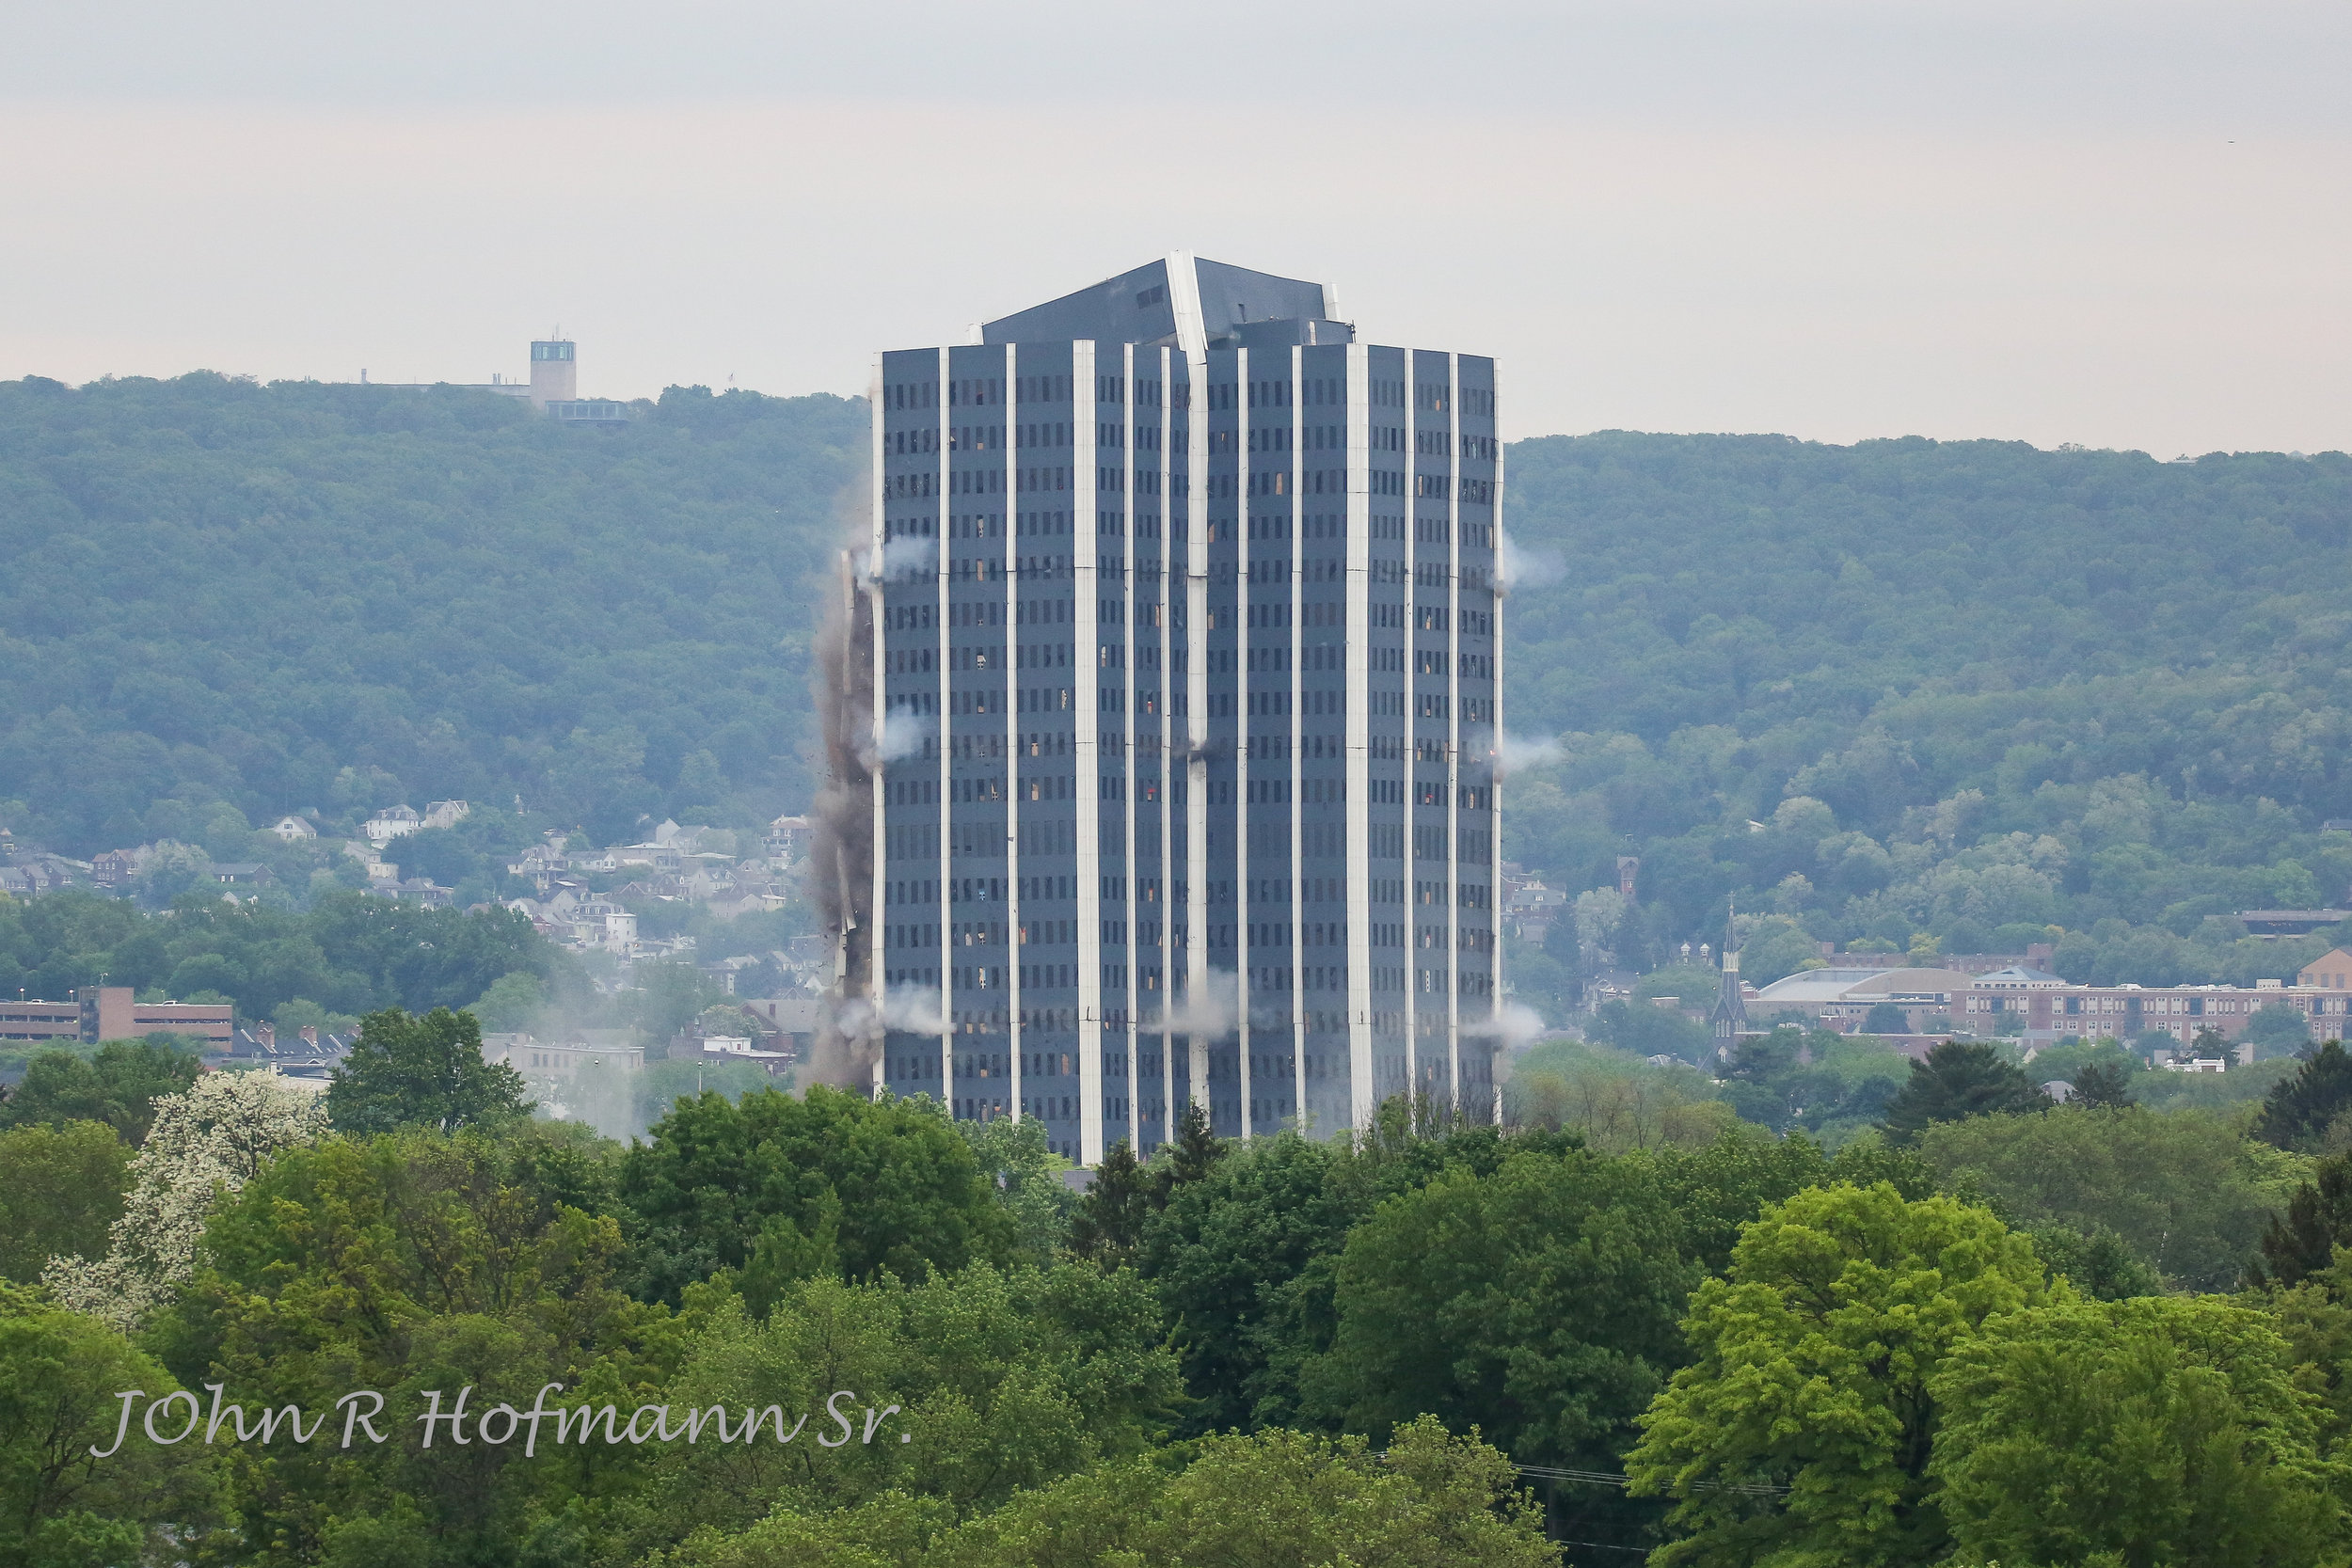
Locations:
(913, 1010)
(902, 734)
(907, 1009)
(1516, 752)
(1513, 1023)
(1525, 568)
(905, 554)
(1213, 1010)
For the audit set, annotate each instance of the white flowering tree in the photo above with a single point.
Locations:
(206, 1143)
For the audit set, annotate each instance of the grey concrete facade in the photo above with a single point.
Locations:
(1187, 663)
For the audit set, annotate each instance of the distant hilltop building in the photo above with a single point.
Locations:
(554, 371)
(554, 388)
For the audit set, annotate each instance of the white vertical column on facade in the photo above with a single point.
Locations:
(1409, 400)
(1296, 532)
(1164, 686)
(1131, 771)
(1244, 904)
(1011, 531)
(1086, 540)
(1494, 770)
(1454, 730)
(1184, 297)
(1356, 656)
(945, 718)
(871, 583)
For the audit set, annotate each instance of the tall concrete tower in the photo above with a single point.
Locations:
(1187, 663)
(554, 373)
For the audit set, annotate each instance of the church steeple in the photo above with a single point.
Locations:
(1731, 1013)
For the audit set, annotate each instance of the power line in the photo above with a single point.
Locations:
(1602, 1478)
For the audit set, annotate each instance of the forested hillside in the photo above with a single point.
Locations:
(338, 596)
(1971, 689)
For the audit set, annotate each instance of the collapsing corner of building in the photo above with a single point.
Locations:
(841, 874)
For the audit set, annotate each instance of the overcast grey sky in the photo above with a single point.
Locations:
(2121, 224)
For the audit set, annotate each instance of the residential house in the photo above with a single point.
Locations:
(390, 823)
(1528, 907)
(293, 829)
(37, 874)
(247, 874)
(794, 1020)
(446, 813)
(539, 864)
(726, 971)
(788, 839)
(661, 857)
(117, 867)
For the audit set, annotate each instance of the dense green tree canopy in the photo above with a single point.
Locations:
(1958, 1079)
(1291, 1307)
(1802, 1429)
(70, 1495)
(339, 596)
(60, 1188)
(1538, 1304)
(1612, 1099)
(2301, 1243)
(1959, 683)
(831, 1183)
(1969, 688)
(2301, 1109)
(2156, 1429)
(429, 1071)
(117, 1086)
(350, 953)
(1268, 1499)
(1243, 1250)
(1814, 1079)
(2182, 1189)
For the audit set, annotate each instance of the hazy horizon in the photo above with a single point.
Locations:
(2118, 227)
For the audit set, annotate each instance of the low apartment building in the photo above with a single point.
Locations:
(2061, 1011)
(35, 1019)
(110, 1013)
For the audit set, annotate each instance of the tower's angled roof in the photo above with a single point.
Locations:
(1170, 301)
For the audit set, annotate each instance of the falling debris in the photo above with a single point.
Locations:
(841, 869)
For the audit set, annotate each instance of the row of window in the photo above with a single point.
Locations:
(1431, 397)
